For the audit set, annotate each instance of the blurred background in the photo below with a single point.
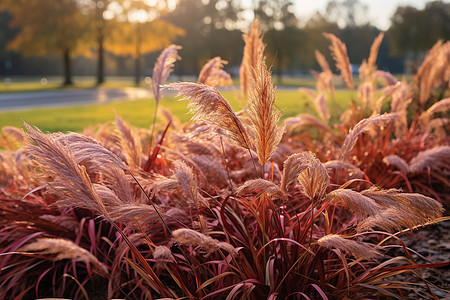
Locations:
(99, 40)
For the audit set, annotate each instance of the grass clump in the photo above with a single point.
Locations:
(236, 204)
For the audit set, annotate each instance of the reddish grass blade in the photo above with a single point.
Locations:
(152, 156)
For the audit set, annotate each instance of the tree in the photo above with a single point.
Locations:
(282, 34)
(140, 31)
(211, 30)
(418, 30)
(101, 27)
(48, 26)
(314, 29)
(347, 13)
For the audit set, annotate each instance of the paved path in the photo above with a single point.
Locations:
(28, 100)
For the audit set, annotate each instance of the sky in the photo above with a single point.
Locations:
(379, 11)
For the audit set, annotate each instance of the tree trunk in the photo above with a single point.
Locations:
(67, 67)
(279, 69)
(137, 56)
(137, 70)
(100, 60)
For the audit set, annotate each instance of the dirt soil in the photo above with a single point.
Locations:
(433, 243)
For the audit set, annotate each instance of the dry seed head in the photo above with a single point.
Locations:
(314, 179)
(366, 93)
(416, 204)
(262, 114)
(434, 71)
(438, 126)
(59, 249)
(434, 159)
(371, 67)
(392, 220)
(210, 107)
(186, 180)
(253, 47)
(386, 78)
(356, 202)
(339, 53)
(293, 165)
(338, 165)
(212, 73)
(401, 210)
(364, 126)
(133, 214)
(398, 162)
(321, 106)
(130, 143)
(265, 186)
(162, 254)
(321, 60)
(357, 249)
(440, 106)
(163, 67)
(191, 237)
(72, 183)
(12, 138)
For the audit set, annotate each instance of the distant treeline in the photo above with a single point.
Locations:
(205, 29)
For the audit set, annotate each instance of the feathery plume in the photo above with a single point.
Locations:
(339, 53)
(253, 47)
(293, 165)
(209, 106)
(366, 92)
(163, 67)
(438, 126)
(434, 71)
(398, 162)
(352, 170)
(386, 78)
(357, 249)
(420, 207)
(130, 143)
(13, 138)
(322, 61)
(401, 97)
(211, 170)
(187, 181)
(393, 220)
(314, 178)
(86, 149)
(434, 159)
(440, 106)
(162, 255)
(212, 73)
(132, 214)
(324, 82)
(371, 67)
(321, 105)
(364, 126)
(73, 185)
(59, 249)
(262, 114)
(191, 237)
(262, 185)
(356, 202)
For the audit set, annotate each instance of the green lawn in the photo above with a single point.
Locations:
(140, 113)
(34, 84)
